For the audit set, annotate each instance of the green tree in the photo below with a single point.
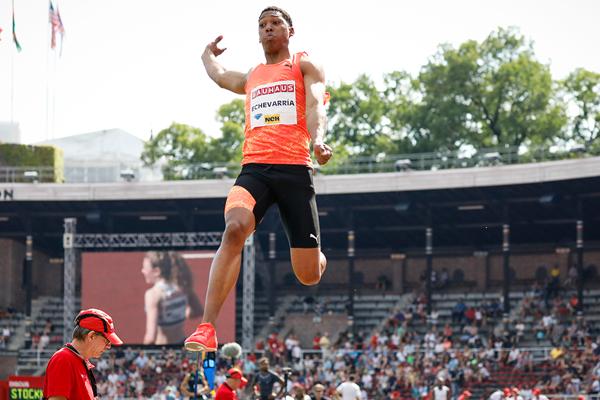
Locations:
(356, 117)
(583, 88)
(181, 144)
(229, 146)
(489, 93)
(177, 144)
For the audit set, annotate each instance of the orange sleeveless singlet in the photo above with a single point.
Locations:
(275, 131)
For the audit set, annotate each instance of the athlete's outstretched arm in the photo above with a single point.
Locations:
(234, 81)
(316, 117)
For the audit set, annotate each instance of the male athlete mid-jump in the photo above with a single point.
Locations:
(285, 110)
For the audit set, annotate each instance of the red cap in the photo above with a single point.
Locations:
(99, 321)
(466, 393)
(514, 389)
(235, 373)
(536, 391)
(581, 397)
(507, 391)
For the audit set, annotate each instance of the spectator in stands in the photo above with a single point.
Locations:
(348, 390)
(48, 328)
(35, 340)
(318, 391)
(519, 331)
(300, 392)
(360, 342)
(571, 281)
(513, 356)
(573, 304)
(141, 360)
(307, 303)
(10, 311)
(444, 279)
(434, 316)
(324, 343)
(382, 282)
(44, 341)
(5, 336)
(469, 316)
(459, 311)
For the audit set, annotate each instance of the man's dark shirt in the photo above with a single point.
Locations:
(265, 383)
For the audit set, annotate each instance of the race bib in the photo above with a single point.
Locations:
(273, 104)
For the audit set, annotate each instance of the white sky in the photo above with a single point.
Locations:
(136, 64)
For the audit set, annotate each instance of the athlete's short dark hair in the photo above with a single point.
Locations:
(284, 14)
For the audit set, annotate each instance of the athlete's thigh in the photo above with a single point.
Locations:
(250, 191)
(296, 199)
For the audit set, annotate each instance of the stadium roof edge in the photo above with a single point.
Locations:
(500, 175)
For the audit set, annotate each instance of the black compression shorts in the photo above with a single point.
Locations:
(291, 187)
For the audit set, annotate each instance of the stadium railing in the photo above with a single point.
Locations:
(467, 158)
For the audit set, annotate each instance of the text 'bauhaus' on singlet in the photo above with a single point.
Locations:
(275, 131)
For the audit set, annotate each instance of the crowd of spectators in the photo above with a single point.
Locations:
(394, 361)
(556, 322)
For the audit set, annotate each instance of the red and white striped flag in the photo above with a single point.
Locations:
(57, 26)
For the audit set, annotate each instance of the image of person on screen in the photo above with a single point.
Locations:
(170, 300)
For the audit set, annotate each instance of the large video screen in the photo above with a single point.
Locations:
(153, 297)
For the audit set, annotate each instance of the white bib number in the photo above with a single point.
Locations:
(273, 104)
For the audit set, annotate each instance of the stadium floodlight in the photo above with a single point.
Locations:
(492, 158)
(127, 174)
(220, 172)
(402, 165)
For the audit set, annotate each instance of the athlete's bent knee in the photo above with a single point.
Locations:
(309, 277)
(234, 235)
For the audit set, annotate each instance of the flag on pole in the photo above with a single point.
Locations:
(61, 29)
(57, 27)
(54, 21)
(15, 33)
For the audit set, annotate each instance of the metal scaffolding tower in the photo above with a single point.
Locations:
(70, 260)
(248, 299)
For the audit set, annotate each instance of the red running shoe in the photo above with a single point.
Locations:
(204, 339)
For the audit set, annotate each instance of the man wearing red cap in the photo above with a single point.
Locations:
(227, 390)
(465, 395)
(516, 394)
(69, 375)
(537, 394)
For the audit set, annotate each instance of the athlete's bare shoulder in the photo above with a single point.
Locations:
(249, 73)
(310, 66)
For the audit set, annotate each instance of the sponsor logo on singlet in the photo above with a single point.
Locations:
(276, 101)
(272, 119)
